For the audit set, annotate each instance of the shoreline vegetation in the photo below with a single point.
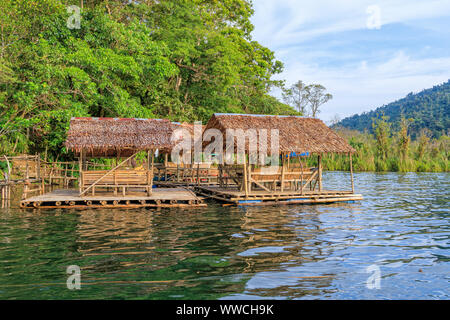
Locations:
(175, 59)
(388, 151)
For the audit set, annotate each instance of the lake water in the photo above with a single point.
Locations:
(400, 229)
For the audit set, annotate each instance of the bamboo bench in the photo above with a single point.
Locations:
(187, 174)
(292, 177)
(117, 179)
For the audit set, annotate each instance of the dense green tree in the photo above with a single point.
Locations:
(176, 59)
(382, 131)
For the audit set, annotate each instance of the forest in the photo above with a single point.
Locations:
(428, 109)
(183, 60)
(178, 59)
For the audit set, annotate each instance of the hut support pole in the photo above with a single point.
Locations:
(198, 174)
(249, 177)
(149, 174)
(301, 175)
(80, 168)
(38, 166)
(319, 160)
(245, 177)
(351, 174)
(166, 161)
(220, 175)
(282, 172)
(27, 168)
(152, 170)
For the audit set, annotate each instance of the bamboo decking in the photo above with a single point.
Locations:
(160, 197)
(180, 187)
(261, 197)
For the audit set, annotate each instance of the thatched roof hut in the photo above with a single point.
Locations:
(296, 134)
(110, 137)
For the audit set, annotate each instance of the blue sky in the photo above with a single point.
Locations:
(341, 45)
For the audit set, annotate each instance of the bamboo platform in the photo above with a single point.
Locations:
(261, 197)
(160, 197)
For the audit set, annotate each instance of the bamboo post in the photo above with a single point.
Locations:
(351, 174)
(249, 166)
(115, 183)
(192, 168)
(151, 181)
(198, 174)
(319, 160)
(301, 175)
(282, 172)
(166, 161)
(66, 180)
(80, 169)
(27, 168)
(38, 166)
(245, 178)
(288, 161)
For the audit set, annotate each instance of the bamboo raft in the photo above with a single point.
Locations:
(159, 198)
(251, 181)
(261, 197)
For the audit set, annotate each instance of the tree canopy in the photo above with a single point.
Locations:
(178, 59)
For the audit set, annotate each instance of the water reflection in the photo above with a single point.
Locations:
(288, 252)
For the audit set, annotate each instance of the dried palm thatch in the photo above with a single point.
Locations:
(111, 137)
(189, 127)
(296, 134)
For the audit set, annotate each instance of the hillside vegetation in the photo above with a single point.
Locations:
(387, 149)
(428, 109)
(176, 59)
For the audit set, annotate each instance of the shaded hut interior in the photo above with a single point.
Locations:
(298, 137)
(120, 139)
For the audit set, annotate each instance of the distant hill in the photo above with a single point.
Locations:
(429, 108)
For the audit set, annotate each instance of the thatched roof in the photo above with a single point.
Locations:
(188, 126)
(108, 137)
(296, 134)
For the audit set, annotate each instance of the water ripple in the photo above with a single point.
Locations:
(290, 252)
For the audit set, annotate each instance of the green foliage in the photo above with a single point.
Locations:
(176, 59)
(382, 132)
(421, 155)
(427, 109)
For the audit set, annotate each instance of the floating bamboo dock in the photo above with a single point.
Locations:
(249, 181)
(261, 197)
(160, 197)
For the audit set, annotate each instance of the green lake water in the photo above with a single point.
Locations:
(401, 227)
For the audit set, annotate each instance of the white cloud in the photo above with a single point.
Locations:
(359, 81)
(365, 86)
(280, 22)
